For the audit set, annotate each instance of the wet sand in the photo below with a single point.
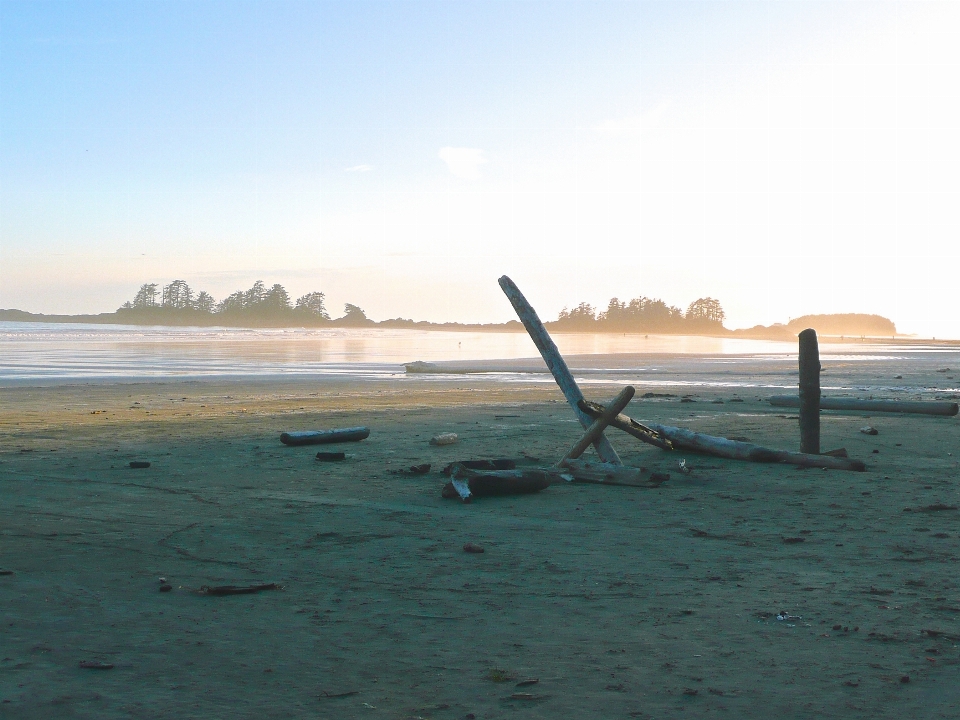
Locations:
(621, 602)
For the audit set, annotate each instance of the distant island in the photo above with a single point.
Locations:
(177, 304)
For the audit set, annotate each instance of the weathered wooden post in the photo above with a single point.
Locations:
(809, 392)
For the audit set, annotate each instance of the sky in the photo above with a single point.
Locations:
(785, 158)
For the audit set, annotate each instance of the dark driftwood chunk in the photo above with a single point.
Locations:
(236, 589)
(530, 481)
(139, 464)
(498, 464)
(95, 665)
(330, 456)
(323, 437)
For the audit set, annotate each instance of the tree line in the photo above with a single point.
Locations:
(258, 304)
(644, 314)
(262, 305)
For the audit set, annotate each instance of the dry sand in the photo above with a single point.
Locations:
(621, 602)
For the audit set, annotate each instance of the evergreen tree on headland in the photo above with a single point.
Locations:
(313, 304)
(146, 296)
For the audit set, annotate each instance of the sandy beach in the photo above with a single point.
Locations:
(618, 602)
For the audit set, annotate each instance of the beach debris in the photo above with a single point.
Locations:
(793, 540)
(943, 370)
(600, 424)
(139, 464)
(598, 473)
(555, 363)
(444, 439)
(331, 456)
(528, 697)
(421, 469)
(809, 399)
(528, 682)
(323, 437)
(473, 548)
(95, 665)
(627, 425)
(498, 464)
(466, 483)
(498, 675)
(869, 430)
(683, 467)
(683, 439)
(663, 436)
(784, 616)
(936, 507)
(917, 407)
(221, 590)
(165, 587)
(6, 572)
(327, 695)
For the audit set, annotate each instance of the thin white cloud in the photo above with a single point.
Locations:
(358, 168)
(463, 162)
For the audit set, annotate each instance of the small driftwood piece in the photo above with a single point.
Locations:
(467, 484)
(683, 439)
(628, 425)
(809, 360)
(221, 590)
(609, 474)
(555, 363)
(324, 437)
(600, 424)
(946, 409)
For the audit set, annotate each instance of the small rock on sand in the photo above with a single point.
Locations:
(869, 430)
(472, 548)
(444, 439)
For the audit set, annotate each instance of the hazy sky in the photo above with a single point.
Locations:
(784, 158)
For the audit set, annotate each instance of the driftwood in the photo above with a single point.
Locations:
(323, 437)
(237, 589)
(467, 484)
(683, 439)
(600, 424)
(809, 392)
(609, 474)
(555, 363)
(628, 425)
(889, 406)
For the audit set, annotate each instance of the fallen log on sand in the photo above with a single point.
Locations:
(467, 483)
(323, 437)
(555, 363)
(890, 406)
(683, 439)
(609, 474)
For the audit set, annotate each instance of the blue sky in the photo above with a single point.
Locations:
(785, 158)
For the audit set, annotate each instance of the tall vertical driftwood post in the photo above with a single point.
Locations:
(809, 393)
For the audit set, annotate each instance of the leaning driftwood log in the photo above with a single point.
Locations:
(323, 437)
(609, 474)
(683, 439)
(555, 363)
(467, 483)
(628, 425)
(890, 406)
(600, 424)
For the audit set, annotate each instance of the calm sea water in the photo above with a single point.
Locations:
(54, 352)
